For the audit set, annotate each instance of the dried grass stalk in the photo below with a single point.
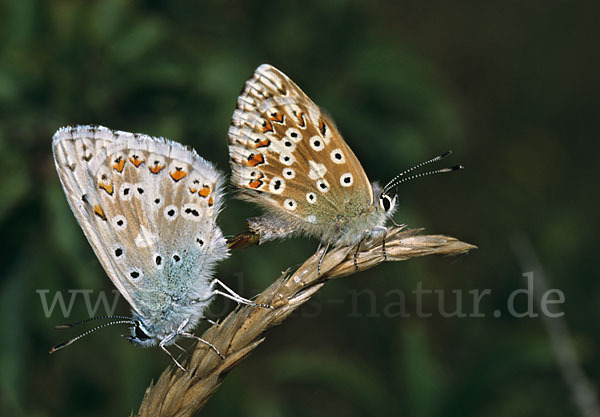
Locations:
(178, 393)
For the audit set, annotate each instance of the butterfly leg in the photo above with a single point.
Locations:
(180, 348)
(383, 245)
(355, 258)
(322, 256)
(162, 346)
(206, 342)
(381, 231)
(232, 295)
(211, 322)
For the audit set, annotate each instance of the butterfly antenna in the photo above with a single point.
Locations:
(79, 323)
(68, 342)
(392, 184)
(425, 174)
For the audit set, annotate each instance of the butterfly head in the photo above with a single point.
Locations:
(141, 335)
(145, 333)
(386, 202)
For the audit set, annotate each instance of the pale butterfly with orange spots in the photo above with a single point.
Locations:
(148, 206)
(287, 156)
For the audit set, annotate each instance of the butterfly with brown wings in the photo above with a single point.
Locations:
(288, 157)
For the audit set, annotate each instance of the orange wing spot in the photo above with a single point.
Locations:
(204, 191)
(178, 174)
(135, 160)
(267, 126)
(156, 168)
(211, 202)
(255, 183)
(322, 127)
(277, 117)
(262, 143)
(255, 159)
(109, 188)
(193, 190)
(301, 122)
(99, 212)
(119, 164)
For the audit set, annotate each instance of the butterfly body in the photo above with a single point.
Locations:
(148, 208)
(288, 157)
(346, 229)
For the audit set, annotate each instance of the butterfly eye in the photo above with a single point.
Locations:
(385, 202)
(140, 333)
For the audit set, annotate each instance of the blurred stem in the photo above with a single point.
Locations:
(582, 394)
(178, 393)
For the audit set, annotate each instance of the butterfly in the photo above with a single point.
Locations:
(288, 156)
(148, 207)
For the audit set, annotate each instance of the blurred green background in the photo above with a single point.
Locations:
(511, 87)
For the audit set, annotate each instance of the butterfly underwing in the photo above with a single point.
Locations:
(288, 157)
(148, 207)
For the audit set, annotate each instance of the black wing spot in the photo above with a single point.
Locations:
(277, 185)
(118, 252)
(158, 260)
(140, 190)
(176, 258)
(134, 274)
(191, 211)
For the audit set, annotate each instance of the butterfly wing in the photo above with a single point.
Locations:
(289, 157)
(148, 208)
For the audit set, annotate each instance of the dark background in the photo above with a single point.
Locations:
(511, 87)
